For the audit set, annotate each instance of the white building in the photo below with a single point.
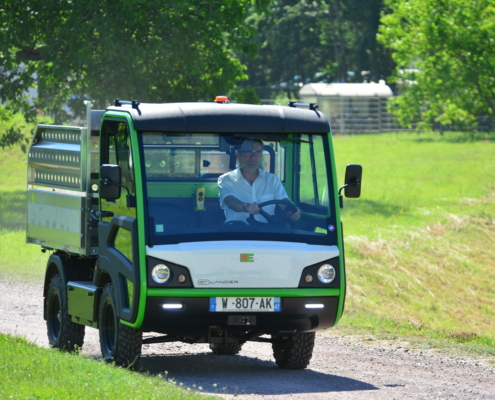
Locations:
(351, 107)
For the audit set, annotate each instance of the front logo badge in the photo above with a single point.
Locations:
(247, 257)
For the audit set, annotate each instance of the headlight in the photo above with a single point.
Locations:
(326, 273)
(160, 273)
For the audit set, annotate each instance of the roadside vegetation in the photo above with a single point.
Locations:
(31, 372)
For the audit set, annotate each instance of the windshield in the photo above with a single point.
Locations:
(207, 187)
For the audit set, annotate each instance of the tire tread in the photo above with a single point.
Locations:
(71, 335)
(128, 343)
(295, 352)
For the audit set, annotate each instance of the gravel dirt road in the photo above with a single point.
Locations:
(338, 370)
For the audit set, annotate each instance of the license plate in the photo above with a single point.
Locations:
(243, 304)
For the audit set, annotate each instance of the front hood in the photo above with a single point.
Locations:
(244, 264)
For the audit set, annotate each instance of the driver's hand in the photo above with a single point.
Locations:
(253, 208)
(296, 215)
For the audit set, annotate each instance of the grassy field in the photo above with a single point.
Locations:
(420, 240)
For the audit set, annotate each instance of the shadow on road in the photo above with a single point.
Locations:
(245, 375)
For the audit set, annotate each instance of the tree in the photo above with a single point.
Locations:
(288, 39)
(321, 40)
(364, 52)
(449, 47)
(154, 50)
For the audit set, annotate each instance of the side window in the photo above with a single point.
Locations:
(313, 178)
(112, 155)
(118, 150)
(124, 156)
(279, 159)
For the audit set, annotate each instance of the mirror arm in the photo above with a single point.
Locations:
(130, 200)
(353, 182)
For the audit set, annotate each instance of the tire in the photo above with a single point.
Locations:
(62, 333)
(226, 349)
(119, 343)
(295, 351)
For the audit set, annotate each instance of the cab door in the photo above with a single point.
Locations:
(117, 230)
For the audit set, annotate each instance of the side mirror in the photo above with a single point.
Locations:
(110, 182)
(353, 175)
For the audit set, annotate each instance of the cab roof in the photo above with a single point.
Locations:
(232, 117)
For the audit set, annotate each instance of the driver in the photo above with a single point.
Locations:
(242, 189)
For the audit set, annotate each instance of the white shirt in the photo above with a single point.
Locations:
(265, 187)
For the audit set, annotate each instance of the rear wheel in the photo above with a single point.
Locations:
(63, 334)
(293, 351)
(119, 343)
(226, 349)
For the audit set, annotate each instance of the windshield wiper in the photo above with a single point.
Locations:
(268, 138)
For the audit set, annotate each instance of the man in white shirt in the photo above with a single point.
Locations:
(247, 186)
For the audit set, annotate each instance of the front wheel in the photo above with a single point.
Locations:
(293, 351)
(63, 334)
(119, 343)
(226, 349)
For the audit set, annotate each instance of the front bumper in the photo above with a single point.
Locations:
(195, 319)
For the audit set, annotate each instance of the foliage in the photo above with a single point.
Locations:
(446, 51)
(153, 51)
(311, 41)
(288, 38)
(13, 136)
(351, 29)
(10, 132)
(245, 95)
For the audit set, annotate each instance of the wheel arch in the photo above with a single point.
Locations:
(106, 274)
(103, 277)
(57, 264)
(70, 268)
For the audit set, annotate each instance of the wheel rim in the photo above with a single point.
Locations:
(54, 317)
(108, 330)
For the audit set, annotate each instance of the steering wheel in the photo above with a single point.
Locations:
(272, 218)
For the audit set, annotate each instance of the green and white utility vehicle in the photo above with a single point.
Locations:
(129, 208)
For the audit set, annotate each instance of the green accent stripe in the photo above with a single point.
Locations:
(243, 292)
(338, 227)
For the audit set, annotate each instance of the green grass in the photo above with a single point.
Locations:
(389, 331)
(31, 372)
(408, 177)
(20, 261)
(419, 242)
